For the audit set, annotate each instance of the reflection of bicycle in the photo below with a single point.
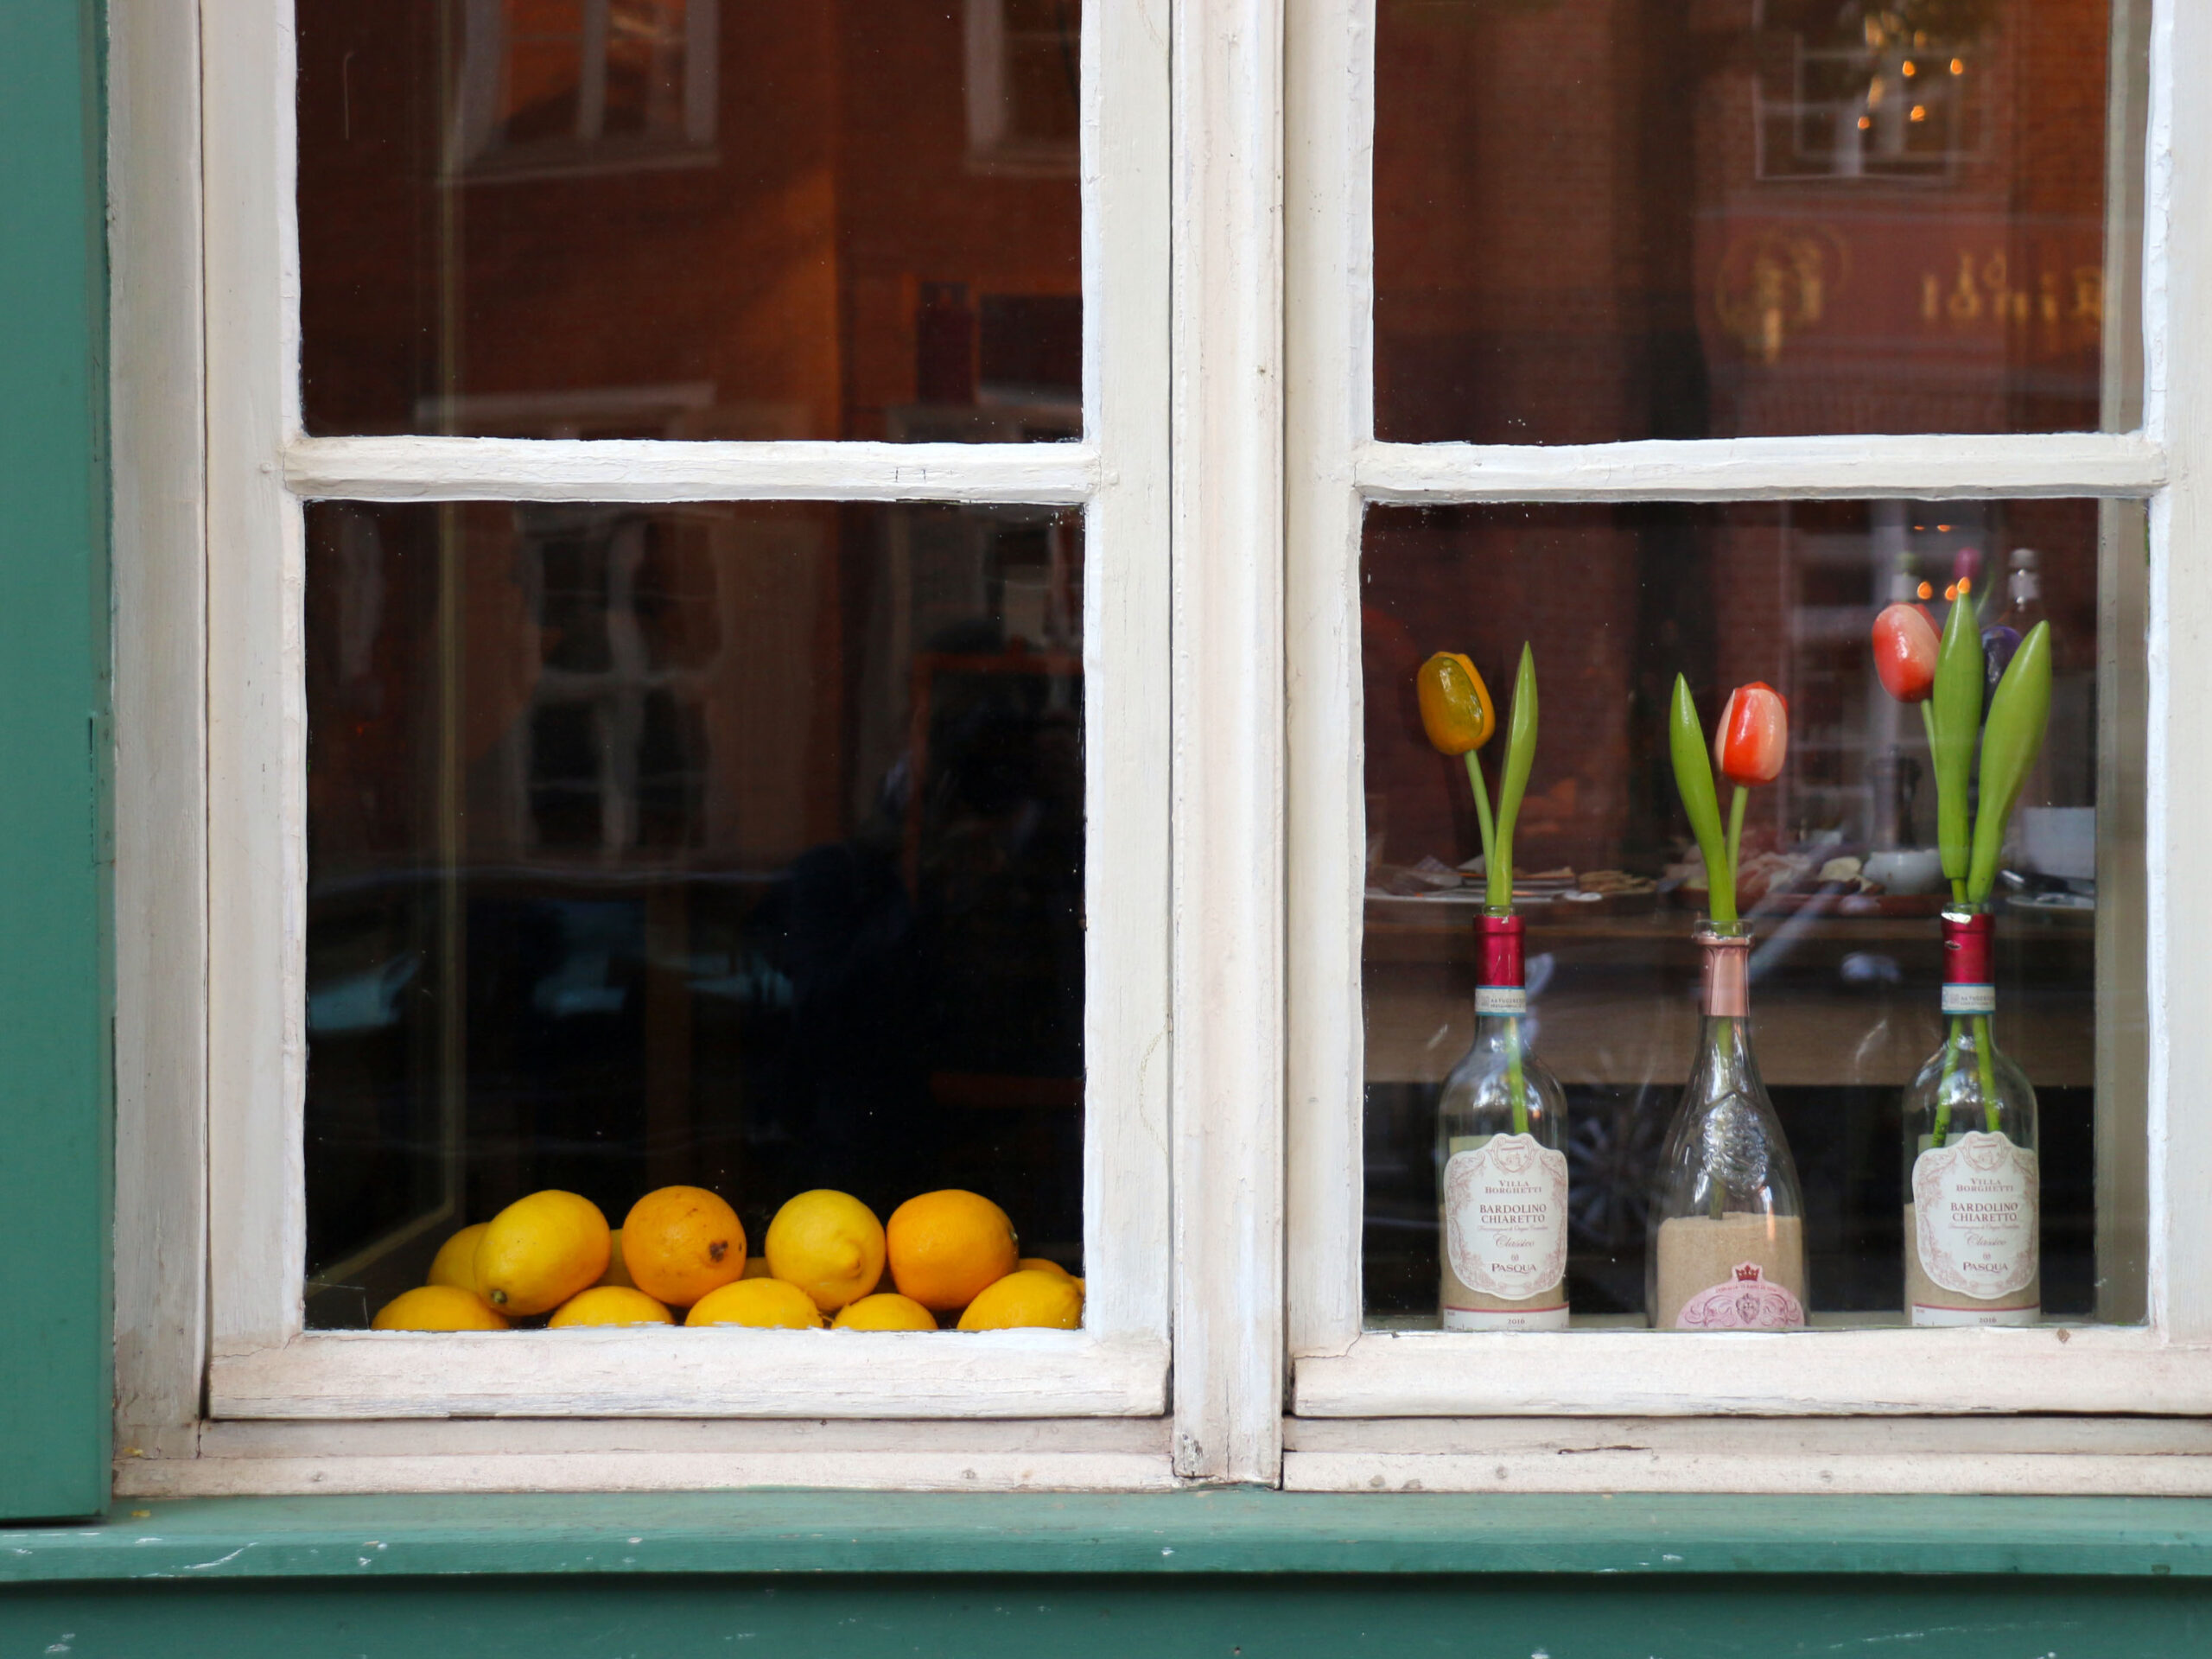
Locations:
(1613, 1146)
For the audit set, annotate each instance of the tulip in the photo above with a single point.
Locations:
(1455, 707)
(1905, 648)
(1753, 736)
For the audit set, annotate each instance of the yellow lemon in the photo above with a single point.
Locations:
(609, 1304)
(945, 1246)
(759, 1302)
(829, 1244)
(1041, 1264)
(437, 1307)
(888, 1312)
(617, 1272)
(455, 1262)
(541, 1250)
(679, 1242)
(1026, 1298)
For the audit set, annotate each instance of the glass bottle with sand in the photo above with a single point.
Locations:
(1973, 1239)
(1727, 1248)
(1500, 1161)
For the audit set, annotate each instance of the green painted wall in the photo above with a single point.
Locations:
(1242, 1617)
(54, 1374)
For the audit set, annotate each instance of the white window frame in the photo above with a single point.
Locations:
(220, 1386)
(1488, 1381)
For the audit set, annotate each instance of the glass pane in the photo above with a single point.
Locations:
(1596, 223)
(732, 846)
(1842, 883)
(690, 219)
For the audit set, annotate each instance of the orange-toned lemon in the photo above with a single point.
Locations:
(437, 1307)
(608, 1305)
(617, 1272)
(887, 1312)
(679, 1242)
(829, 1244)
(768, 1302)
(541, 1250)
(1041, 1264)
(456, 1261)
(1026, 1298)
(945, 1246)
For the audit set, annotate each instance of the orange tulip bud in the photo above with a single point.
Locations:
(1754, 734)
(1905, 648)
(1455, 706)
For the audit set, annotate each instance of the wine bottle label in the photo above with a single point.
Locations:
(1505, 1217)
(1969, 999)
(1746, 1301)
(1501, 999)
(1976, 1204)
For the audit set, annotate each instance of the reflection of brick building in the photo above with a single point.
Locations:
(1631, 219)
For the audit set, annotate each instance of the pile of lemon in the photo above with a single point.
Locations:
(683, 1248)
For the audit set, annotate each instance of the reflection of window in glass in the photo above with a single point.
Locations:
(1870, 90)
(1022, 84)
(614, 754)
(555, 84)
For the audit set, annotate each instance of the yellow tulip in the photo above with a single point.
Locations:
(1455, 707)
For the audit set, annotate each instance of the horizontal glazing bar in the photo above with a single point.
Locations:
(561, 469)
(1748, 469)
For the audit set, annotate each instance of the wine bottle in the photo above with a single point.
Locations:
(1972, 1237)
(1727, 1250)
(1501, 1160)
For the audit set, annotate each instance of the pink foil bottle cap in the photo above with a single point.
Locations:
(1725, 984)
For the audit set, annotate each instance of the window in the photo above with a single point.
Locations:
(1581, 403)
(763, 563)
(680, 709)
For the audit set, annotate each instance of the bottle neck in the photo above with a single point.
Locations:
(1500, 976)
(1969, 986)
(1725, 979)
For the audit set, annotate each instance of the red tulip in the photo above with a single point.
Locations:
(1754, 734)
(1905, 648)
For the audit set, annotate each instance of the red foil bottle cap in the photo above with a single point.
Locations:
(1500, 938)
(1967, 937)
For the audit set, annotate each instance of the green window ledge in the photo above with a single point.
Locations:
(365, 1538)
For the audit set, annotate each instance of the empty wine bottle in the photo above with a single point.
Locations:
(1500, 1161)
(1727, 1250)
(1973, 1238)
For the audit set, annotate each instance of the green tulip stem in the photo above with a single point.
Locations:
(1482, 808)
(1942, 1130)
(1736, 834)
(1986, 1066)
(1514, 1079)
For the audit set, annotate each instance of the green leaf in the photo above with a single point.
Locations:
(1958, 721)
(2018, 715)
(1513, 781)
(1693, 777)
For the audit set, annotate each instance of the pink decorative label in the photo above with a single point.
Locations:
(1505, 1217)
(1748, 1301)
(1975, 1206)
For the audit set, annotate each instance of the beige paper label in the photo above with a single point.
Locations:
(1975, 1222)
(1505, 1217)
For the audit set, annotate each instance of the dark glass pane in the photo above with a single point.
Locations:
(690, 219)
(1670, 219)
(1616, 600)
(739, 846)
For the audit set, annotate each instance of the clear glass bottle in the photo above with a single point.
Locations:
(1727, 1250)
(1500, 1161)
(1972, 1249)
